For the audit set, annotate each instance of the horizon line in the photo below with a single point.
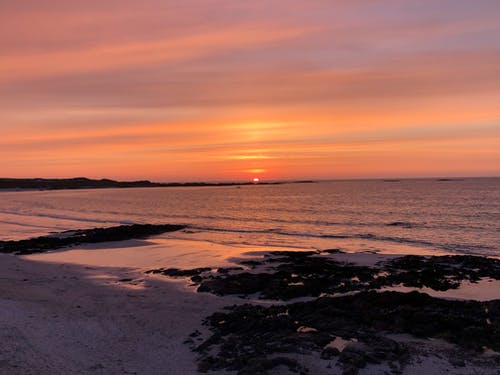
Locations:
(262, 180)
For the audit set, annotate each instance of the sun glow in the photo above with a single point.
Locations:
(255, 170)
(256, 180)
(230, 101)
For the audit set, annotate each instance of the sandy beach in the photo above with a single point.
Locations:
(249, 187)
(64, 312)
(74, 319)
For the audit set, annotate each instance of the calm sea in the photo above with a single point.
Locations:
(459, 216)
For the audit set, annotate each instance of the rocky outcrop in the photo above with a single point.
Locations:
(71, 238)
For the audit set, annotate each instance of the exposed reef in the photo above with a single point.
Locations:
(284, 275)
(71, 238)
(255, 339)
(347, 320)
(439, 272)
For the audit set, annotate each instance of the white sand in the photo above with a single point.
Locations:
(66, 312)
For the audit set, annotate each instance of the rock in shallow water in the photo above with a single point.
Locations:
(95, 235)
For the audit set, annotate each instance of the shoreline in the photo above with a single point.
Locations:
(61, 319)
(83, 183)
(92, 309)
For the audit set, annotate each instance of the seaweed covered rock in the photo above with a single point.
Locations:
(94, 235)
(285, 275)
(439, 272)
(244, 334)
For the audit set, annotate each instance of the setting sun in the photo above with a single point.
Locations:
(140, 130)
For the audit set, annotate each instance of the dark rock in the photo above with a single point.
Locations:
(195, 334)
(251, 263)
(439, 272)
(206, 364)
(175, 272)
(402, 224)
(196, 279)
(333, 251)
(118, 233)
(242, 283)
(246, 337)
(293, 274)
(350, 370)
(457, 362)
(245, 332)
(353, 358)
(299, 274)
(329, 353)
(228, 270)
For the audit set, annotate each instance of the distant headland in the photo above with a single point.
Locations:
(87, 183)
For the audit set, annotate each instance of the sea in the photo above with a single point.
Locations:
(421, 216)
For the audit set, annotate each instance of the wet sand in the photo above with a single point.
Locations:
(75, 319)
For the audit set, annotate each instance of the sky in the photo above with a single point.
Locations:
(219, 90)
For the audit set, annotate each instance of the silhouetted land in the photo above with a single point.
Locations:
(69, 183)
(86, 183)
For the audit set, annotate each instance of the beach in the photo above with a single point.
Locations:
(250, 187)
(69, 317)
(64, 312)
(340, 277)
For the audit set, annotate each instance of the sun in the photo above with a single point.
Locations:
(256, 180)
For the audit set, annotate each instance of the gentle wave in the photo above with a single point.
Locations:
(458, 248)
(187, 219)
(22, 224)
(401, 224)
(66, 217)
(421, 214)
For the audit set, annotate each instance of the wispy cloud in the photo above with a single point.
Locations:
(313, 88)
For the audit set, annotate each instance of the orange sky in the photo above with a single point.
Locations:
(182, 90)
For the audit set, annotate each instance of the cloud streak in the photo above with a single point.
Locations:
(179, 89)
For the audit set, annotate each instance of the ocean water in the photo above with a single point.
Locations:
(420, 216)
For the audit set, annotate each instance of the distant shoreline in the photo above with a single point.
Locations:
(42, 184)
(22, 184)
